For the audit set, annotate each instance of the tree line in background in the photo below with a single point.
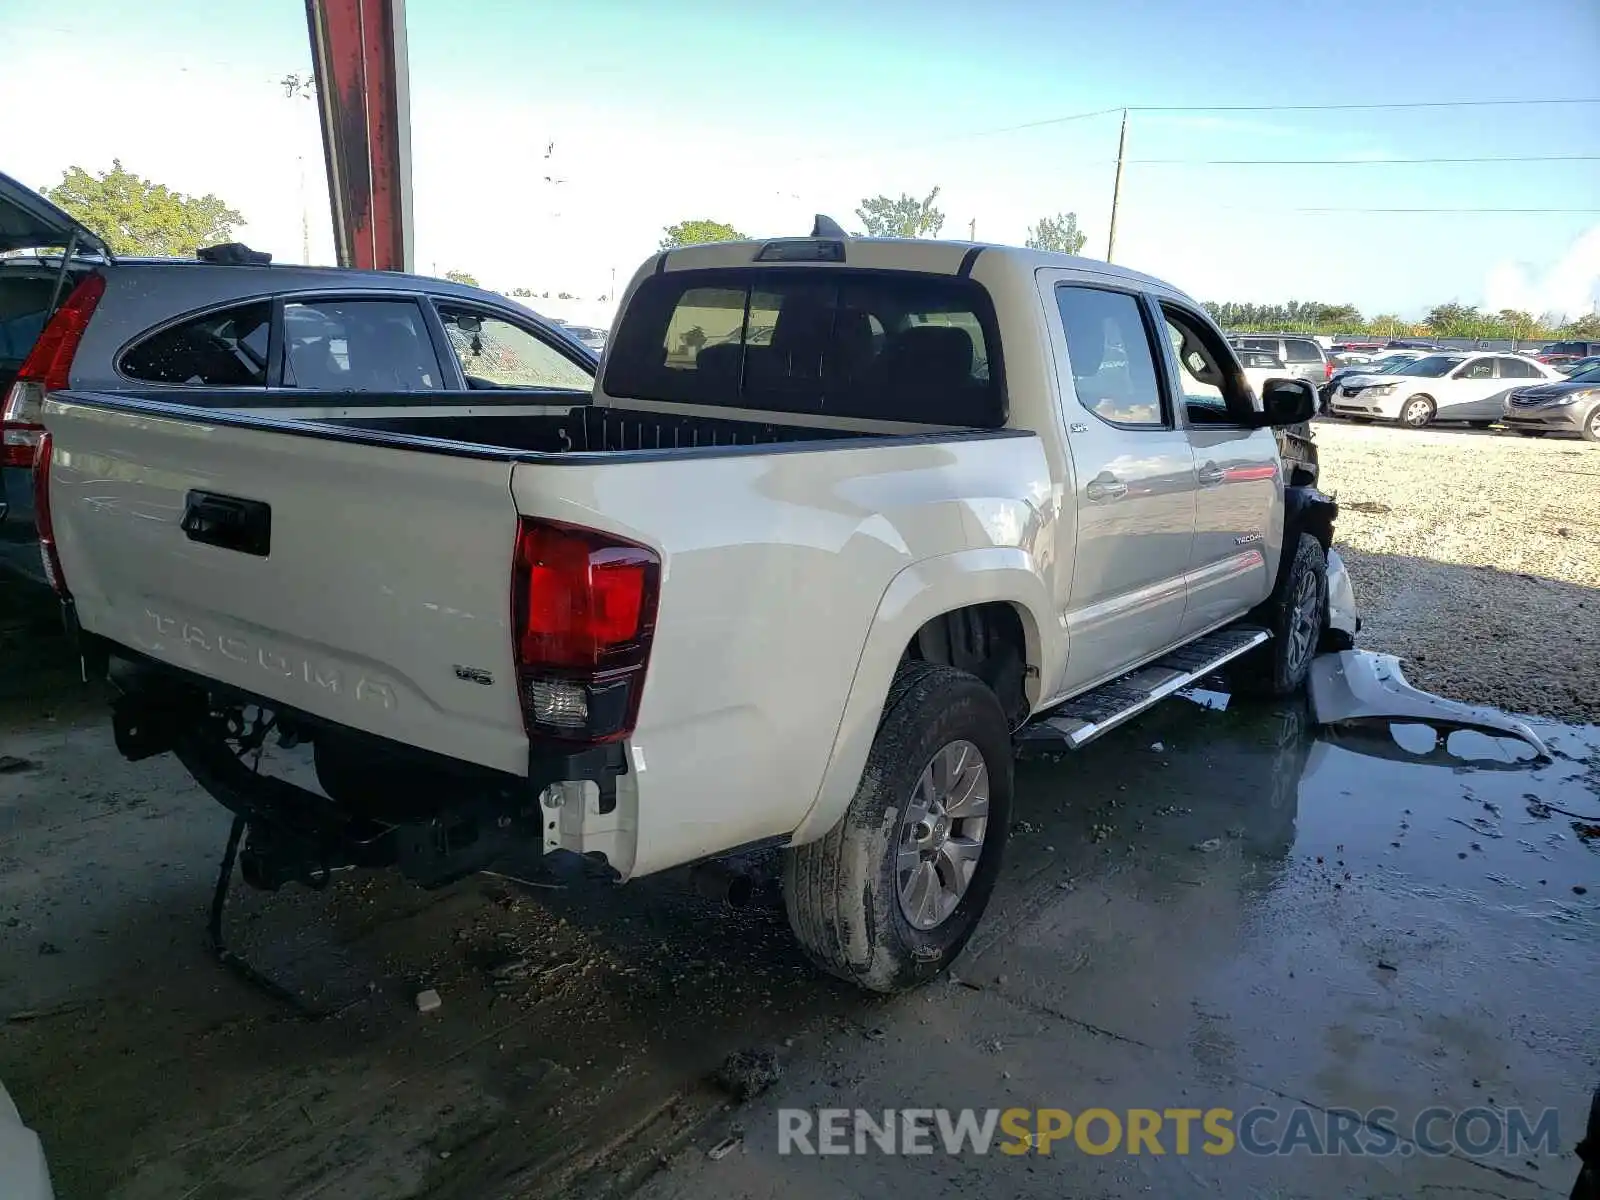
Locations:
(1450, 320)
(138, 216)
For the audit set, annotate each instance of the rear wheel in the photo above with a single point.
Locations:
(1295, 613)
(1417, 411)
(891, 894)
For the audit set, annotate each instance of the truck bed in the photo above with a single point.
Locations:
(373, 586)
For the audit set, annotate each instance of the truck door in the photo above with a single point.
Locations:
(1239, 501)
(1133, 479)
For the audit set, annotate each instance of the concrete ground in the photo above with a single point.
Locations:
(1208, 909)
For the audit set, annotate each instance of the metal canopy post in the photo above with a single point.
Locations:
(358, 53)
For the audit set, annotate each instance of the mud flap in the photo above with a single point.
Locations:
(1354, 687)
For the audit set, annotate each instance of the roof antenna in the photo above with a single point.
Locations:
(826, 227)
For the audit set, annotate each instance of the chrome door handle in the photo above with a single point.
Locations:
(1211, 475)
(1105, 488)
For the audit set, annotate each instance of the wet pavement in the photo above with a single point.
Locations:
(1207, 909)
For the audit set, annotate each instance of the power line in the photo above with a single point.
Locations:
(1542, 211)
(1354, 162)
(1364, 105)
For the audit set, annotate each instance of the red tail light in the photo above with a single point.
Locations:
(45, 370)
(42, 519)
(1327, 369)
(583, 610)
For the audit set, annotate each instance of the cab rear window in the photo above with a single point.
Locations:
(885, 345)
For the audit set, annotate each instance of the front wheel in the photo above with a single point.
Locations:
(1591, 427)
(1295, 613)
(1417, 412)
(890, 895)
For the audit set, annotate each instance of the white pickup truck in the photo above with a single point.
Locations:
(843, 522)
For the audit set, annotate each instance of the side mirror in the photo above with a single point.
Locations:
(1286, 402)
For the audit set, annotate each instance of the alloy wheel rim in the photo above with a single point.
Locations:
(1417, 412)
(941, 834)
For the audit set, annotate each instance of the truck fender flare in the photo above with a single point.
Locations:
(917, 594)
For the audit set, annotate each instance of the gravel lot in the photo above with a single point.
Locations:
(1476, 558)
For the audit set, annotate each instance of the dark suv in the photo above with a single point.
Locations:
(1559, 354)
(86, 319)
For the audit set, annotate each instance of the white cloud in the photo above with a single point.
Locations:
(1570, 286)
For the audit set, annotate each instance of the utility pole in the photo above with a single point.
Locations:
(1116, 188)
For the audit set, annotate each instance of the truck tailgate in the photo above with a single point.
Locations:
(366, 584)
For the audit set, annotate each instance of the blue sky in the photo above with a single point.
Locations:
(762, 115)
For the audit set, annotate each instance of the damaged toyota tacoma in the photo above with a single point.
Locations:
(843, 524)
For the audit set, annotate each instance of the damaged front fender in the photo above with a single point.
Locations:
(1356, 687)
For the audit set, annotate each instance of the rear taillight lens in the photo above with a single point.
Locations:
(1327, 369)
(583, 610)
(45, 370)
(42, 519)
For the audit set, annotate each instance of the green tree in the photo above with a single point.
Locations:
(693, 233)
(1058, 234)
(137, 216)
(1586, 326)
(1454, 320)
(906, 217)
(463, 277)
(1388, 325)
(1517, 322)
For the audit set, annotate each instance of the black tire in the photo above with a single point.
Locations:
(1280, 667)
(1480, 424)
(1418, 412)
(842, 892)
(1532, 432)
(1591, 427)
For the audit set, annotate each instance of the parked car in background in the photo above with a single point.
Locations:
(1260, 366)
(1388, 362)
(594, 339)
(1558, 353)
(1582, 364)
(1303, 357)
(243, 330)
(1409, 344)
(1570, 405)
(1439, 387)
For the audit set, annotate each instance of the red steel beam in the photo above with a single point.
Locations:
(358, 51)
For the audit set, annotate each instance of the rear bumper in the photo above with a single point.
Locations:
(473, 814)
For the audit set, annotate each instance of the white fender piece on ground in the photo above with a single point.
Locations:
(1358, 686)
(1342, 615)
(23, 1172)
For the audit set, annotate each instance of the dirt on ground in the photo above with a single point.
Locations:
(1476, 559)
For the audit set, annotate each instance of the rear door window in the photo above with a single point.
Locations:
(1298, 350)
(1113, 363)
(358, 345)
(883, 345)
(1516, 368)
(227, 348)
(494, 353)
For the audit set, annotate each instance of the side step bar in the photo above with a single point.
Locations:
(1080, 720)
